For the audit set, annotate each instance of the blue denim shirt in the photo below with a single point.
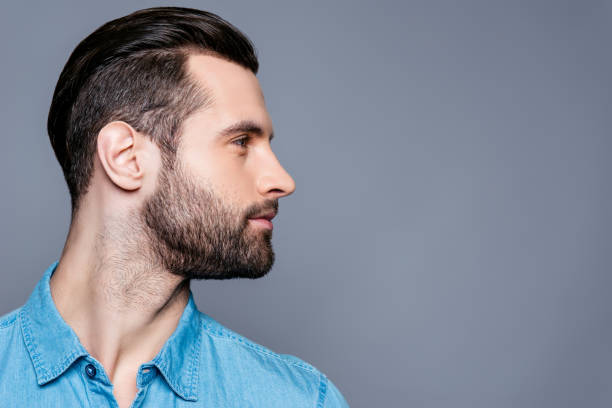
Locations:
(202, 364)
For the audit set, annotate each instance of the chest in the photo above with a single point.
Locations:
(125, 393)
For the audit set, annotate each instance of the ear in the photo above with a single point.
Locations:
(118, 149)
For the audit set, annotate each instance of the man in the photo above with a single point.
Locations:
(159, 124)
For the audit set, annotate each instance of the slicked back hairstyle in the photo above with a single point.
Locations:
(133, 69)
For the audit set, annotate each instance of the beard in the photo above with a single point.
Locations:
(196, 235)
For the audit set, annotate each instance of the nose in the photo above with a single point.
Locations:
(274, 181)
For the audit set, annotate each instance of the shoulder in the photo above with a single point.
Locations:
(8, 320)
(14, 358)
(13, 352)
(217, 330)
(289, 375)
(10, 334)
(11, 338)
(238, 343)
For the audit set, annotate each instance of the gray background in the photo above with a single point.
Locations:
(448, 244)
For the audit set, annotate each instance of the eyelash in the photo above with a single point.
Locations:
(245, 139)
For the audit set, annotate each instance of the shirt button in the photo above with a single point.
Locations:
(90, 370)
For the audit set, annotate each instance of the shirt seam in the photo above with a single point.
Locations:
(222, 334)
(61, 366)
(322, 391)
(189, 391)
(9, 320)
(176, 387)
(28, 340)
(194, 371)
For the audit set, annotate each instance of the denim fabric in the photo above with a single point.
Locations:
(203, 364)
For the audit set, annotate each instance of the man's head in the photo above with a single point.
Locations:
(160, 112)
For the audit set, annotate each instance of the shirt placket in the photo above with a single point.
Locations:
(146, 374)
(99, 387)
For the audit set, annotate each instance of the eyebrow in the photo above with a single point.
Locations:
(244, 126)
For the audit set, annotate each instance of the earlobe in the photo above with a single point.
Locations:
(119, 156)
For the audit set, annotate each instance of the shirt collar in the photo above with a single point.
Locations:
(179, 358)
(53, 345)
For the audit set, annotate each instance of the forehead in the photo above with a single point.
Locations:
(234, 90)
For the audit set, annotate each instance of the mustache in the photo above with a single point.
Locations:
(268, 205)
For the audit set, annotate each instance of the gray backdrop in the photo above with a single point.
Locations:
(448, 244)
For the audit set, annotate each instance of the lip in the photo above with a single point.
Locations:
(266, 216)
(262, 222)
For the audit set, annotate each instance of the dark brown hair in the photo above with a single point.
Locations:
(133, 69)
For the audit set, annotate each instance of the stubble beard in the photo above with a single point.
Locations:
(196, 235)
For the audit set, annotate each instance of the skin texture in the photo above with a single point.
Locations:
(147, 226)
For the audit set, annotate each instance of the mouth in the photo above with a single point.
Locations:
(265, 216)
(264, 220)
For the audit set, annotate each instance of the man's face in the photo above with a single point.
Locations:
(200, 218)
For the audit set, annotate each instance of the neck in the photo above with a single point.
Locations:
(115, 294)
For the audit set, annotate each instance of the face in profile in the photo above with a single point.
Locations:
(199, 219)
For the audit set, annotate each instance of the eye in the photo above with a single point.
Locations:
(242, 142)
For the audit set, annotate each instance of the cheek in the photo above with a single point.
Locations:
(233, 178)
(228, 173)
(236, 190)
